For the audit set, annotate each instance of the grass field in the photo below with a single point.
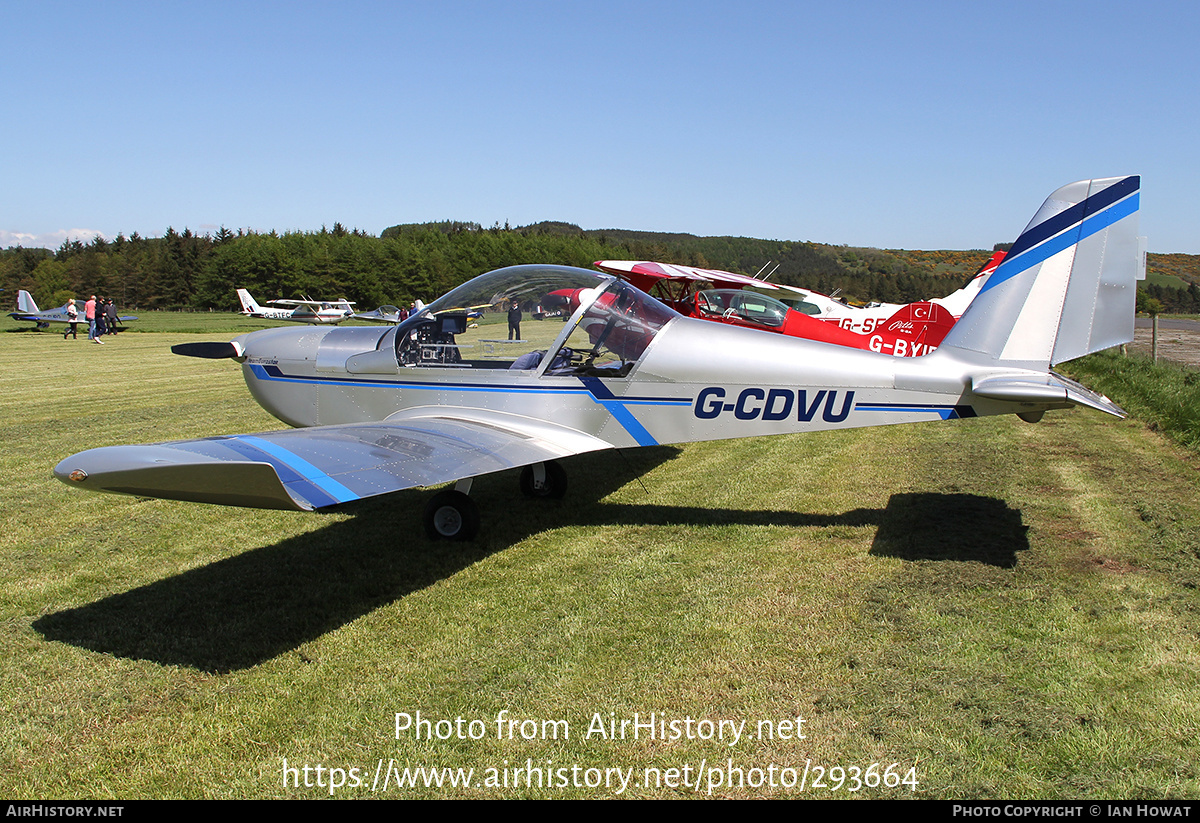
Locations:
(1003, 610)
(1168, 280)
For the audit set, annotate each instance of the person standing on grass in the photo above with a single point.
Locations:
(101, 326)
(72, 316)
(89, 313)
(514, 321)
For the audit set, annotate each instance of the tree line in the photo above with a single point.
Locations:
(184, 270)
(1154, 298)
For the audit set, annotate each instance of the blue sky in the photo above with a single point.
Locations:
(888, 124)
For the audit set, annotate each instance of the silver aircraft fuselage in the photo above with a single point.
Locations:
(443, 397)
(696, 381)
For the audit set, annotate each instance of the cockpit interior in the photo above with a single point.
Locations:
(572, 322)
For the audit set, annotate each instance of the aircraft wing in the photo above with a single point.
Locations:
(645, 271)
(297, 302)
(305, 469)
(643, 274)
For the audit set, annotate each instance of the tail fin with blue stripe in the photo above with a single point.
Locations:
(1068, 285)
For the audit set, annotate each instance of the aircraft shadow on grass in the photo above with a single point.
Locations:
(245, 610)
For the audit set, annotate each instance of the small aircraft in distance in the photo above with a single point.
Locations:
(389, 314)
(902, 330)
(382, 410)
(383, 314)
(315, 312)
(28, 310)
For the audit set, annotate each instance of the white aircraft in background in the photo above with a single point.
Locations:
(315, 312)
(377, 411)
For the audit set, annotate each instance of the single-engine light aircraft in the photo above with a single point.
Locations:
(313, 312)
(390, 314)
(383, 314)
(28, 310)
(415, 405)
(907, 330)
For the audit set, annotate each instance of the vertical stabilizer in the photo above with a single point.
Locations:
(1068, 285)
(25, 303)
(249, 306)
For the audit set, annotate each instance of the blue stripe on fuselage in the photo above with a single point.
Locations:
(944, 412)
(592, 386)
(616, 407)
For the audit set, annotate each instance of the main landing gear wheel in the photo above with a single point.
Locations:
(552, 485)
(451, 515)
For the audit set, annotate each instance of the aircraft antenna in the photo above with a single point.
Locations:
(760, 271)
(768, 277)
(634, 471)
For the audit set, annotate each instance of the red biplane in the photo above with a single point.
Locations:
(724, 297)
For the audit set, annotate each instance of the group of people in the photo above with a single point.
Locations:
(100, 315)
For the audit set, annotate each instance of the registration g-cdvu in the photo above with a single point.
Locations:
(378, 411)
(773, 404)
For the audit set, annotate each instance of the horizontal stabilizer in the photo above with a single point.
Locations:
(1046, 388)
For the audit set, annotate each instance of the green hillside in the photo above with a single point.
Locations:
(424, 260)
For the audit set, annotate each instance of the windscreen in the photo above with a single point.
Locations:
(614, 331)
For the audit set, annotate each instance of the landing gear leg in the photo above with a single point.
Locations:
(546, 480)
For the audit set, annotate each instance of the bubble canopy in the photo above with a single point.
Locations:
(525, 284)
(608, 323)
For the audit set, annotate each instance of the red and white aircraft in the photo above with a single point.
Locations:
(902, 330)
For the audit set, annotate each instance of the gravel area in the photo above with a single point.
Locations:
(1179, 345)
